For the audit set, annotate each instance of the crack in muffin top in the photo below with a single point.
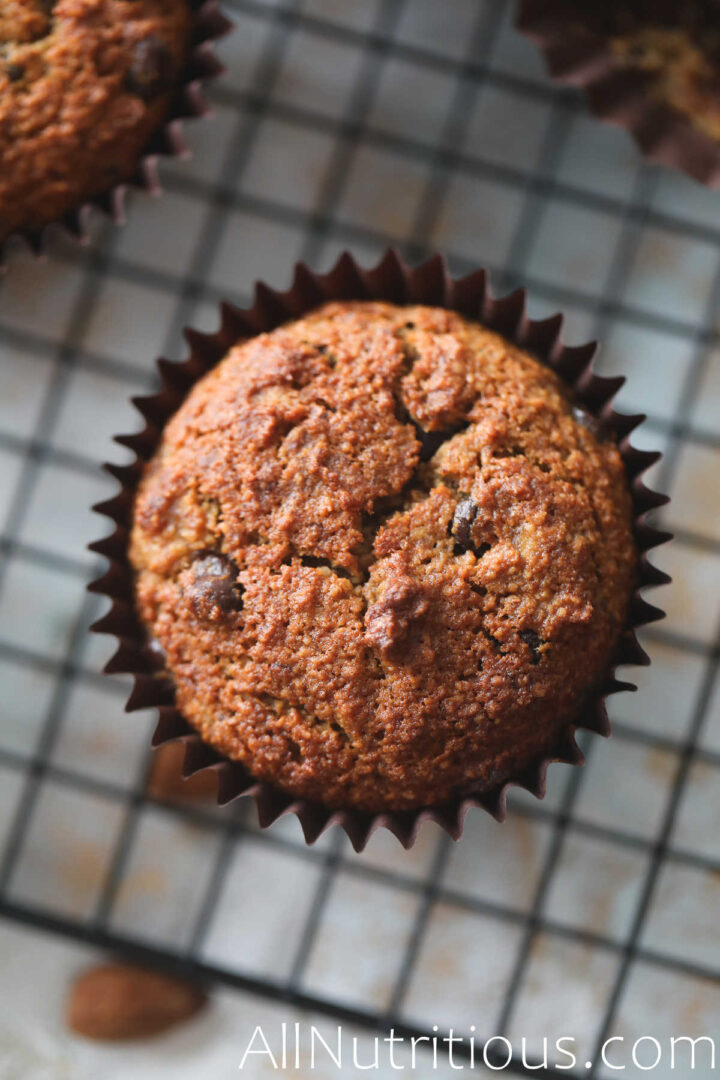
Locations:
(83, 86)
(385, 556)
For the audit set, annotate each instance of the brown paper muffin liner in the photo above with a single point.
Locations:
(394, 281)
(209, 25)
(618, 94)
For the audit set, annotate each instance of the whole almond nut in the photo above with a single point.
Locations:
(115, 1002)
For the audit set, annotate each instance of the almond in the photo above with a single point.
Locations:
(118, 1001)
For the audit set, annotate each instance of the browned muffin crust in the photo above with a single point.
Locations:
(83, 85)
(384, 555)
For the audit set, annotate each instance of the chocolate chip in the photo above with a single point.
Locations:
(151, 69)
(214, 585)
(14, 72)
(462, 522)
(534, 641)
(461, 528)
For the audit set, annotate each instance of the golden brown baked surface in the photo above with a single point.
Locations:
(384, 556)
(83, 85)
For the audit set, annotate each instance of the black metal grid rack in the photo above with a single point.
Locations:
(359, 126)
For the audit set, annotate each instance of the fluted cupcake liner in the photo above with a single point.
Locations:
(618, 94)
(392, 280)
(202, 65)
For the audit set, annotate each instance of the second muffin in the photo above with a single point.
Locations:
(83, 86)
(386, 559)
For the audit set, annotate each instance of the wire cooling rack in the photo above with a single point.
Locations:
(362, 124)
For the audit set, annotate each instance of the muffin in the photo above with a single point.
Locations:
(677, 46)
(84, 84)
(651, 64)
(385, 557)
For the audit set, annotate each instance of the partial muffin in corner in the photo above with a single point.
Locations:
(83, 86)
(651, 65)
(385, 556)
(676, 45)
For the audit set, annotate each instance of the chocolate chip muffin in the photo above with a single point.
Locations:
(83, 86)
(385, 556)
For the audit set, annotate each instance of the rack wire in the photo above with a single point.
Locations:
(362, 125)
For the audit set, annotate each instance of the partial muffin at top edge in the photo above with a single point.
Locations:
(83, 86)
(674, 46)
(386, 558)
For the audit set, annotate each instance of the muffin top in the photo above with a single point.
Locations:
(83, 85)
(385, 557)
